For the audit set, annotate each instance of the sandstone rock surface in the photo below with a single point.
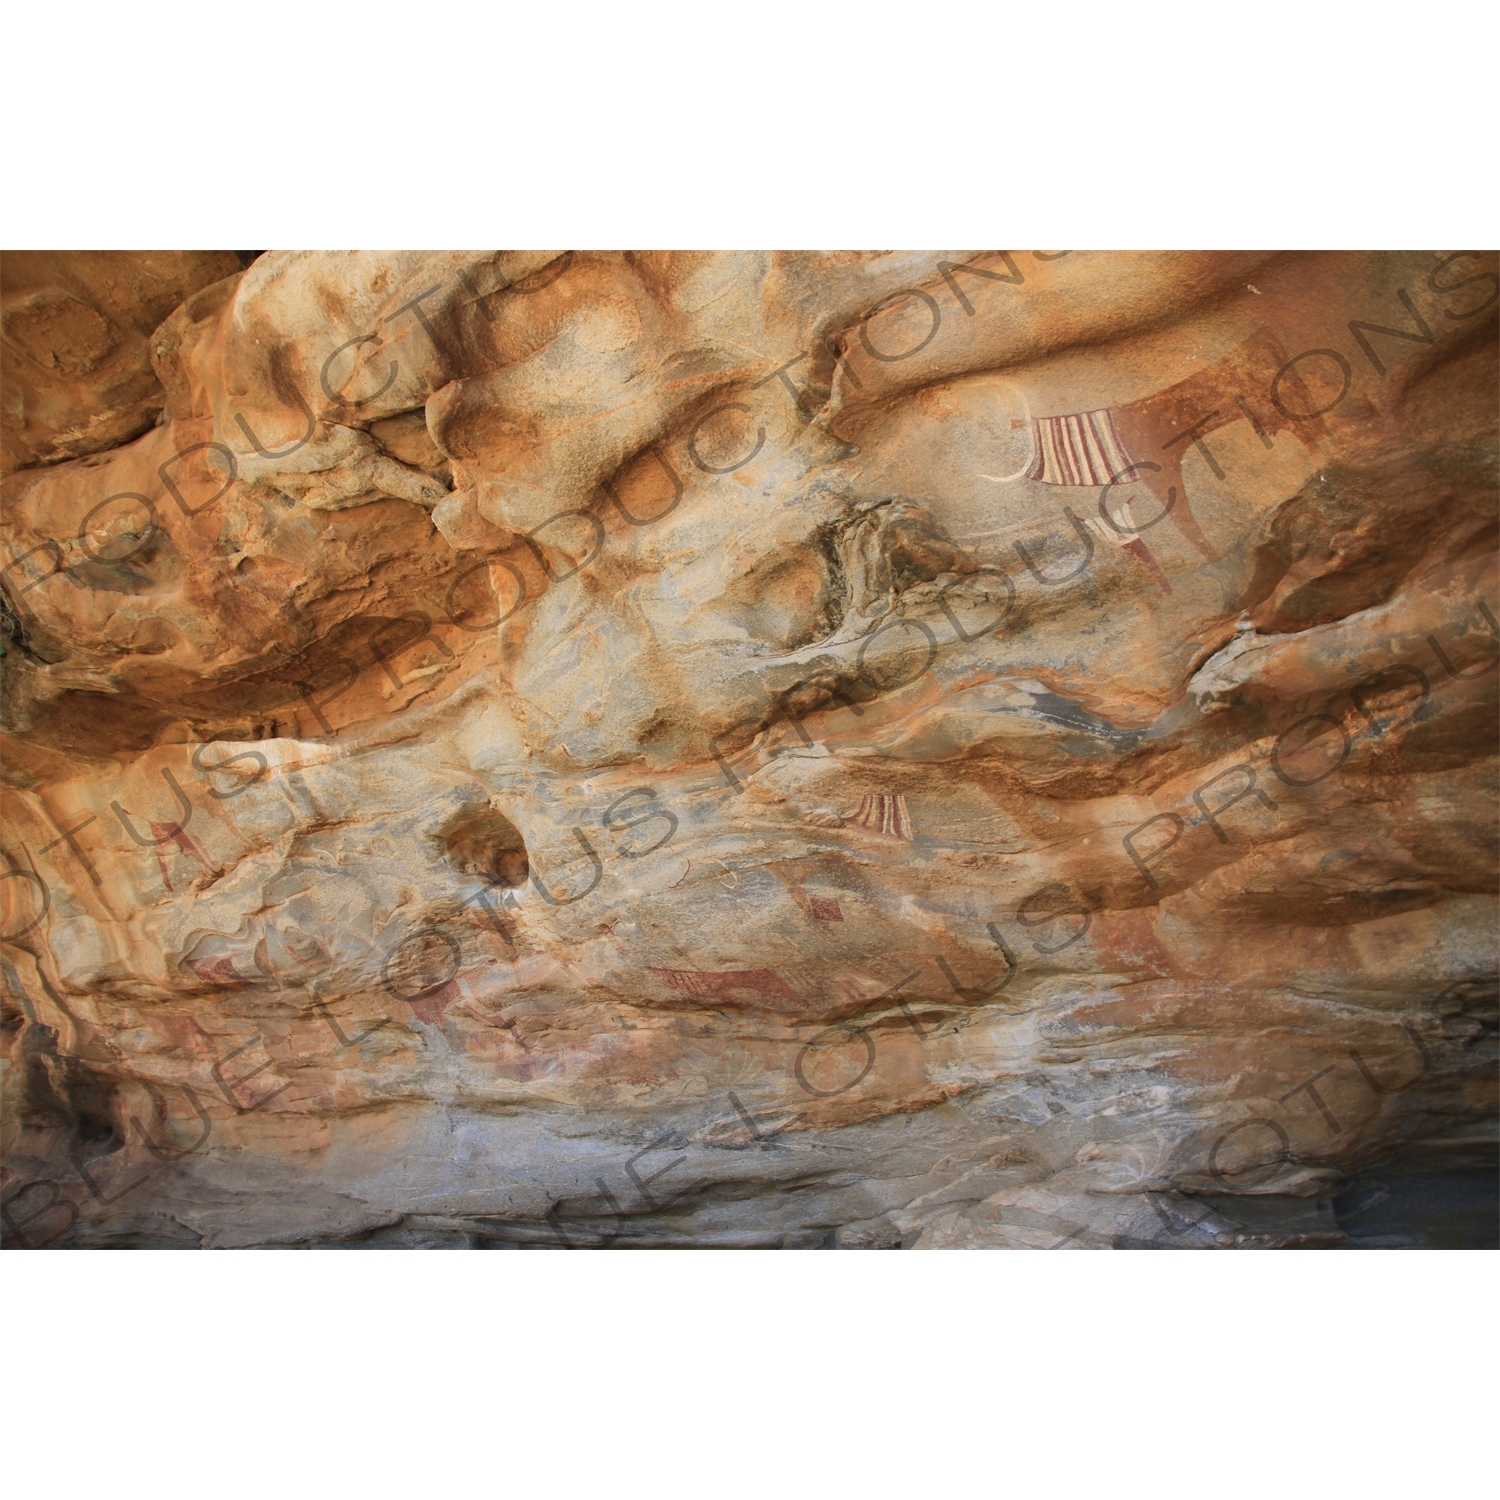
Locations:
(937, 749)
(76, 354)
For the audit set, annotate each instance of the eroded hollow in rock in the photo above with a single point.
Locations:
(1035, 793)
(484, 842)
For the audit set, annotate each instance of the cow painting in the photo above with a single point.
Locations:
(1144, 442)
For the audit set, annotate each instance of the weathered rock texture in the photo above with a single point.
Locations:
(942, 749)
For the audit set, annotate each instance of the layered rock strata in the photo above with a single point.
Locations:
(942, 749)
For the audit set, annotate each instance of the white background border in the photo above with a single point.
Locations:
(797, 125)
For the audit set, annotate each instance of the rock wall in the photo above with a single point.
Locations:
(746, 749)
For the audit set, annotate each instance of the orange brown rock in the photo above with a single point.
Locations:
(947, 749)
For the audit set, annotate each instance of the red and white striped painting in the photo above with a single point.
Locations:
(1144, 442)
(1084, 449)
(881, 812)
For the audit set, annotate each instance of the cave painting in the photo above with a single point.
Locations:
(1144, 442)
(431, 946)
